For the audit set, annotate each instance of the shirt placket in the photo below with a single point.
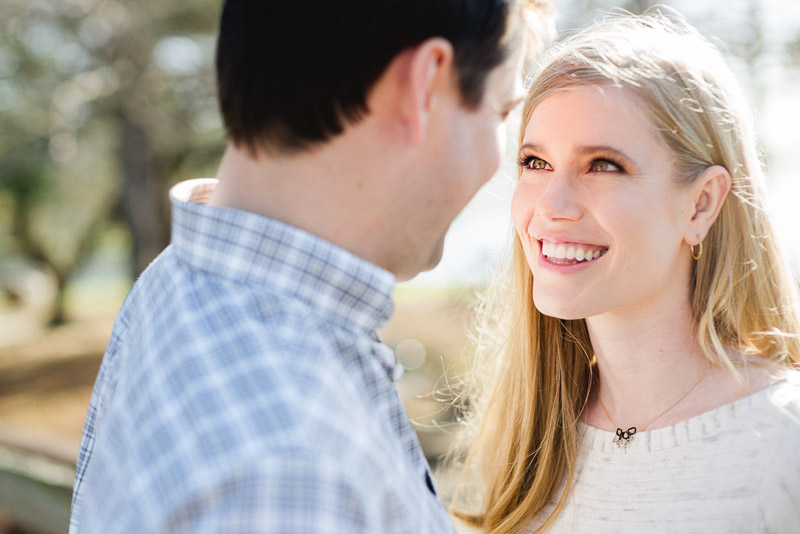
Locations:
(398, 417)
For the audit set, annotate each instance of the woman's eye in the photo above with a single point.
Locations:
(535, 164)
(603, 165)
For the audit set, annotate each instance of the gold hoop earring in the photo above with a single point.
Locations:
(699, 254)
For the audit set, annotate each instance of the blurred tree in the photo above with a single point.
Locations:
(576, 13)
(640, 6)
(792, 50)
(102, 103)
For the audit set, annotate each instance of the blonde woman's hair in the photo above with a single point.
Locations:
(534, 372)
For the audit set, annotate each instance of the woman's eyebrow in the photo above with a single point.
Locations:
(530, 147)
(592, 149)
(581, 150)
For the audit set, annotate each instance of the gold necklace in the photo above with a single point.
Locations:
(623, 437)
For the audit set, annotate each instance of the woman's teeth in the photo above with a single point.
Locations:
(568, 254)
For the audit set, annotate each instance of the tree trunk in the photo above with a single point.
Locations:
(143, 194)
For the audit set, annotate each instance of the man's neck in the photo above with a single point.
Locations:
(324, 191)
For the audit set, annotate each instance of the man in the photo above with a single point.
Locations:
(244, 388)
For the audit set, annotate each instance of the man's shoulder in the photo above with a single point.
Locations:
(218, 348)
(244, 366)
(177, 303)
(222, 338)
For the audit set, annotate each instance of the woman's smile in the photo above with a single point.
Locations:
(570, 253)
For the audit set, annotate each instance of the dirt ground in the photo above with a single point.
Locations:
(45, 383)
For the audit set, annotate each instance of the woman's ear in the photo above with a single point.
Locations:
(709, 192)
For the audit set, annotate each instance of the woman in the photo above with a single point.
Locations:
(645, 379)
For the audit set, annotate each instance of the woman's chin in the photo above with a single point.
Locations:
(560, 308)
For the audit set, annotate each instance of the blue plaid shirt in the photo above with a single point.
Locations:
(244, 389)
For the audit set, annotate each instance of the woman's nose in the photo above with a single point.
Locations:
(559, 199)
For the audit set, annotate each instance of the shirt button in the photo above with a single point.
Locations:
(399, 370)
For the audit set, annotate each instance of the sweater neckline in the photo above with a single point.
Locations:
(697, 428)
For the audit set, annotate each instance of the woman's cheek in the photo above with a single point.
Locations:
(522, 208)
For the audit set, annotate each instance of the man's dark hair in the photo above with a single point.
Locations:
(292, 73)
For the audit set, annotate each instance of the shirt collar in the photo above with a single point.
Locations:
(258, 250)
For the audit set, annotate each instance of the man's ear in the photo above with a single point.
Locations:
(709, 192)
(430, 72)
(406, 92)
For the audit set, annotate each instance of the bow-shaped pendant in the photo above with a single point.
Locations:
(624, 437)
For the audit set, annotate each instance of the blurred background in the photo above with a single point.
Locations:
(105, 104)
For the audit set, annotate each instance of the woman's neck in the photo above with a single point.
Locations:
(645, 362)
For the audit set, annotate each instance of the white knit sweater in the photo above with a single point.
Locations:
(734, 469)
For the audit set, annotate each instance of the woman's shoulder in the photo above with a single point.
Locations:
(774, 405)
(773, 414)
(779, 463)
(782, 398)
